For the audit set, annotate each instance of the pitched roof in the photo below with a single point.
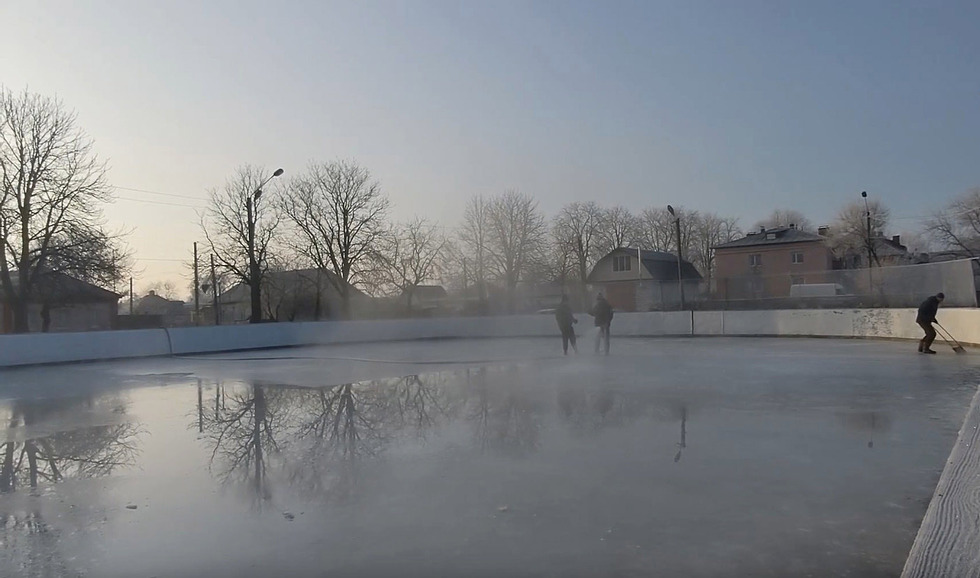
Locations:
(293, 280)
(890, 246)
(661, 266)
(62, 288)
(158, 305)
(428, 292)
(777, 236)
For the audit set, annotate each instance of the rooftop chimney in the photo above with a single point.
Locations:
(823, 231)
(897, 239)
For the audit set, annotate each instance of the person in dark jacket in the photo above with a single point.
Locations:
(603, 313)
(565, 319)
(925, 318)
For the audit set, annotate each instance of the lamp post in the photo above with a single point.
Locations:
(253, 262)
(867, 216)
(680, 277)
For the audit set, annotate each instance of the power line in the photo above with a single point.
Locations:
(953, 214)
(149, 192)
(159, 202)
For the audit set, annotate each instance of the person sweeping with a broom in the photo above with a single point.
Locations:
(925, 318)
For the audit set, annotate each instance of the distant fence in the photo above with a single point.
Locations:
(896, 286)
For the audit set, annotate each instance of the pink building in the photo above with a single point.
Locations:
(767, 263)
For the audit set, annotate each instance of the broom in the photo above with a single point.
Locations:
(957, 348)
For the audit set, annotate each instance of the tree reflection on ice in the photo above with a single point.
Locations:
(99, 441)
(82, 452)
(313, 440)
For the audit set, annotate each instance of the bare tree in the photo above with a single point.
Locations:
(52, 189)
(165, 289)
(709, 231)
(576, 232)
(453, 267)
(700, 234)
(656, 229)
(240, 226)
(338, 215)
(517, 236)
(658, 232)
(410, 255)
(957, 226)
(286, 290)
(850, 240)
(919, 241)
(475, 238)
(618, 228)
(558, 263)
(785, 218)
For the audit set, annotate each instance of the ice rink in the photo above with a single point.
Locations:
(670, 457)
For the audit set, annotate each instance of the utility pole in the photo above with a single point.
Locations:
(253, 263)
(680, 277)
(214, 293)
(254, 267)
(130, 295)
(867, 216)
(639, 263)
(197, 290)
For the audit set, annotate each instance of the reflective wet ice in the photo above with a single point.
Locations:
(693, 457)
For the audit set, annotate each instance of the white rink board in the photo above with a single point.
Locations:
(102, 345)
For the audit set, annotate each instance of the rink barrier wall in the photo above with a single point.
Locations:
(41, 348)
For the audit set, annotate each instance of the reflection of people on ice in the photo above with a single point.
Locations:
(603, 313)
(565, 319)
(925, 318)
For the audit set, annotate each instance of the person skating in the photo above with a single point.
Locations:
(603, 313)
(565, 319)
(925, 318)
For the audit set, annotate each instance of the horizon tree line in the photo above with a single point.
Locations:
(334, 216)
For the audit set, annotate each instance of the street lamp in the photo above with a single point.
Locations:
(867, 216)
(253, 262)
(680, 278)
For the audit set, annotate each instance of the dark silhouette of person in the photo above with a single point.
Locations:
(925, 318)
(565, 319)
(603, 313)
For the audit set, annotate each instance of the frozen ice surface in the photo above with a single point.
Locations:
(671, 457)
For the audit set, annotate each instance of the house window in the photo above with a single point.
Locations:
(755, 260)
(622, 263)
(770, 236)
(797, 258)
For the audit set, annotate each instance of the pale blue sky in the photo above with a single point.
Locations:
(735, 107)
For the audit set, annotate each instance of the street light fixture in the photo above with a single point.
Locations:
(867, 216)
(253, 262)
(680, 278)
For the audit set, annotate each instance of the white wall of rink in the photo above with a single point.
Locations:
(37, 348)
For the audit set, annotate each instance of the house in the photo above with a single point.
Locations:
(425, 297)
(887, 252)
(297, 295)
(637, 280)
(170, 312)
(765, 264)
(62, 303)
